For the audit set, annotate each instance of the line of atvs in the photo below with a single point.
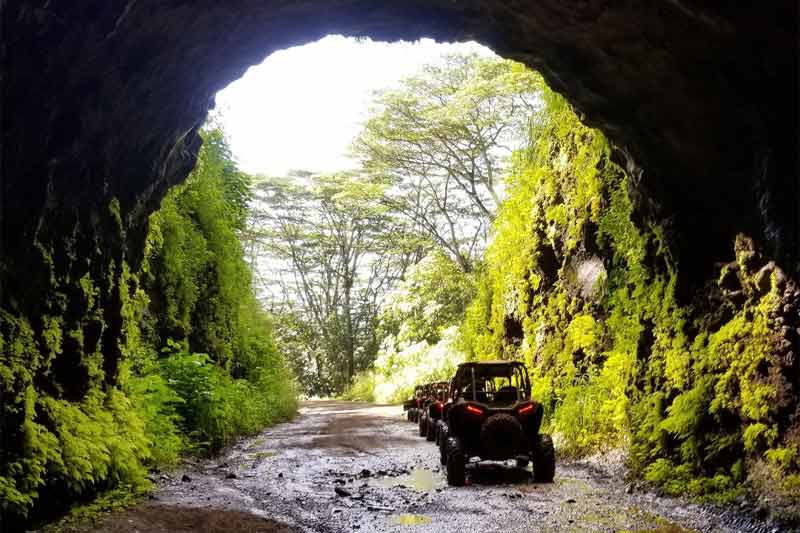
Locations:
(485, 411)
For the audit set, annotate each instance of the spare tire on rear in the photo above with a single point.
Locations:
(502, 437)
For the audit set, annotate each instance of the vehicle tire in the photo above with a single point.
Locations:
(423, 426)
(502, 436)
(544, 459)
(408, 415)
(522, 462)
(456, 463)
(443, 437)
(431, 435)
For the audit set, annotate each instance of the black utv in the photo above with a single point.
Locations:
(491, 416)
(432, 406)
(440, 426)
(422, 403)
(411, 406)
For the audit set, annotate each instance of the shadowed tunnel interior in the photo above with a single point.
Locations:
(698, 101)
(103, 100)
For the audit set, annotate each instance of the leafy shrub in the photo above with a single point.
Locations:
(580, 422)
(156, 404)
(69, 448)
(215, 408)
(102, 441)
(362, 388)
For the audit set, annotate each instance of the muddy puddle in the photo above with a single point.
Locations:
(419, 479)
(410, 520)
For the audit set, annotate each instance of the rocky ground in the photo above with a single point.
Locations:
(343, 466)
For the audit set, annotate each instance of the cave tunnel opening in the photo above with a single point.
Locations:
(102, 107)
(324, 124)
(687, 96)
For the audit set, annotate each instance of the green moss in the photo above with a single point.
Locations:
(696, 400)
(87, 405)
(21, 476)
(116, 213)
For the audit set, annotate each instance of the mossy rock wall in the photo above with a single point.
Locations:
(102, 103)
(66, 425)
(700, 389)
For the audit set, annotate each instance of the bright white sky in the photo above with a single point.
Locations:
(302, 106)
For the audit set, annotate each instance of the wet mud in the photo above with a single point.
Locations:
(341, 467)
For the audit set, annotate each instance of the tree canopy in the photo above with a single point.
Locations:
(443, 139)
(333, 249)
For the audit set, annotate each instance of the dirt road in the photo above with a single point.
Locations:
(389, 479)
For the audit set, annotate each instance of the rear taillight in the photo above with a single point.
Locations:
(474, 410)
(439, 405)
(525, 410)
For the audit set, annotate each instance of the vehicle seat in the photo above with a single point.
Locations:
(507, 394)
(480, 395)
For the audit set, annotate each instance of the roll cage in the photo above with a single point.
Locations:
(497, 382)
(439, 391)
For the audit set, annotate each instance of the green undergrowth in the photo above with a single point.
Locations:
(128, 370)
(697, 392)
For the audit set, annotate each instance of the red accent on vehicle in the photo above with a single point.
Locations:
(474, 410)
(527, 409)
(439, 405)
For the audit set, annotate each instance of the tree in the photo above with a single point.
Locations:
(419, 329)
(433, 295)
(333, 250)
(442, 139)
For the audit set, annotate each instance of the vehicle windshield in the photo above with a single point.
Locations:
(498, 384)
